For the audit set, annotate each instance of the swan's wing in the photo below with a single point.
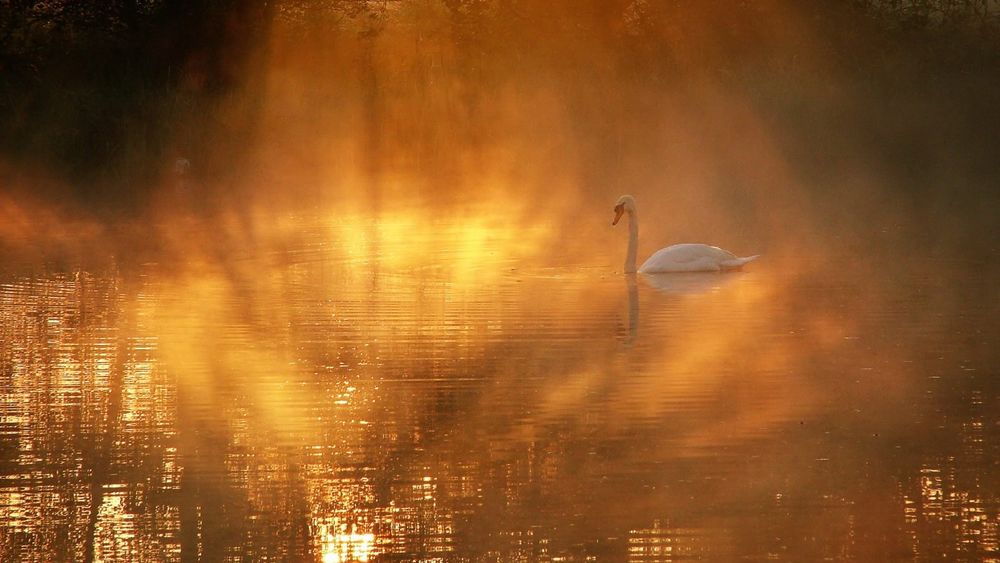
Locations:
(686, 257)
(682, 253)
(675, 255)
(720, 254)
(672, 259)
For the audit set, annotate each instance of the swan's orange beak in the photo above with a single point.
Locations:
(619, 209)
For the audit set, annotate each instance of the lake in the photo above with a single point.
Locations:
(430, 387)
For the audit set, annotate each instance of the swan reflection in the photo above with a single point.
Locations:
(633, 307)
(693, 283)
(689, 283)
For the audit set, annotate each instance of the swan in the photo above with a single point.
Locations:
(676, 258)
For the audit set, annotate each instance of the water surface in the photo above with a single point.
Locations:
(380, 391)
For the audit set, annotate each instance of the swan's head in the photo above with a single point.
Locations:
(625, 203)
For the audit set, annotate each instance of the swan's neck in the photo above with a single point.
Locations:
(633, 242)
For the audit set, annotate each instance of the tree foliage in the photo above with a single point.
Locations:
(97, 88)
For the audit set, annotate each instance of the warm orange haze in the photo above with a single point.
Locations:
(337, 281)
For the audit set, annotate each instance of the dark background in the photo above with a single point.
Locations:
(100, 98)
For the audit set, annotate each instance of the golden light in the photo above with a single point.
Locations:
(341, 543)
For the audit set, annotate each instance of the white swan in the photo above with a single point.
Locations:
(676, 258)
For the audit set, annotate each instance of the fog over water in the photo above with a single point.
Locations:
(382, 314)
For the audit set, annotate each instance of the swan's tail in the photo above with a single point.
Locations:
(737, 263)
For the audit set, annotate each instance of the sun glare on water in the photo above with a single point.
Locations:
(341, 544)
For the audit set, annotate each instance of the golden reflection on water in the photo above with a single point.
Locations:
(341, 545)
(417, 387)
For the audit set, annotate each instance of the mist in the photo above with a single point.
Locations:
(839, 124)
(297, 275)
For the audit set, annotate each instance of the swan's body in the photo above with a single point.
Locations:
(692, 258)
(676, 258)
